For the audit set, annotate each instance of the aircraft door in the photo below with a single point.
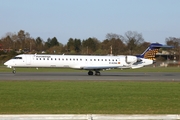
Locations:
(28, 60)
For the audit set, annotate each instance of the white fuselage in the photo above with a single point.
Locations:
(87, 62)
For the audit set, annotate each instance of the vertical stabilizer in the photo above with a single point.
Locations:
(151, 51)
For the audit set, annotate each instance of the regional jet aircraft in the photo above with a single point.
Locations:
(85, 62)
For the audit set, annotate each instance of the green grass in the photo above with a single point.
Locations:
(89, 97)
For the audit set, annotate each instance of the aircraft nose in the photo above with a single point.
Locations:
(7, 64)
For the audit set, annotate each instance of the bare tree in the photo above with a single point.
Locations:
(110, 36)
(7, 43)
(173, 41)
(133, 40)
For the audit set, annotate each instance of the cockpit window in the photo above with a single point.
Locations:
(17, 58)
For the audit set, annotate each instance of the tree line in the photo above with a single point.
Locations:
(131, 43)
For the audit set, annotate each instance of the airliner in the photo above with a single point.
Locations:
(93, 64)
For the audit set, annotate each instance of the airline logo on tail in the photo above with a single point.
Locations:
(151, 51)
(151, 54)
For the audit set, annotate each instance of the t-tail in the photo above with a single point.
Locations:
(150, 52)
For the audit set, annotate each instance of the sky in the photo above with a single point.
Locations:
(156, 20)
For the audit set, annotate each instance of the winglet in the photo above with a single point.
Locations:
(151, 51)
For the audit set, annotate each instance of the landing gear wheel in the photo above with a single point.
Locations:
(14, 71)
(97, 73)
(90, 73)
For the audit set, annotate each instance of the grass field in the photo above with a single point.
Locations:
(89, 97)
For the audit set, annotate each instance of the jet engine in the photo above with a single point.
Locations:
(131, 59)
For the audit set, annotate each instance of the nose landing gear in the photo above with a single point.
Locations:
(14, 71)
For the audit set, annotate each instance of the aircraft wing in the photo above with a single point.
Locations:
(98, 67)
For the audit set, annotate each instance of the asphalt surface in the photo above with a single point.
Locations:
(132, 76)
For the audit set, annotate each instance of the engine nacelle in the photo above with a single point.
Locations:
(130, 59)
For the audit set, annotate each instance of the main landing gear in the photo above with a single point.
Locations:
(96, 73)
